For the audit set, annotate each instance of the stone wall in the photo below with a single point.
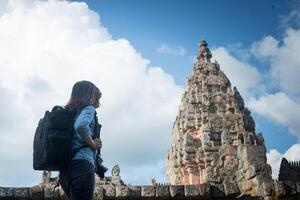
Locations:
(280, 190)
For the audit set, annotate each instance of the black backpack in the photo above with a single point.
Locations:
(52, 145)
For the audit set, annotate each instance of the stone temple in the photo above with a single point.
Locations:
(215, 152)
(213, 137)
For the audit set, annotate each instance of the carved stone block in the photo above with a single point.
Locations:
(50, 193)
(109, 191)
(148, 191)
(6, 193)
(162, 191)
(98, 193)
(279, 189)
(176, 191)
(122, 191)
(135, 191)
(37, 193)
(191, 190)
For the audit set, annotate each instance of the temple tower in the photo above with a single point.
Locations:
(213, 136)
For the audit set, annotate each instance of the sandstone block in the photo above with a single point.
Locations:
(191, 190)
(109, 191)
(122, 191)
(205, 190)
(290, 187)
(245, 186)
(135, 191)
(148, 191)
(162, 191)
(6, 193)
(50, 193)
(176, 191)
(37, 193)
(265, 188)
(231, 189)
(298, 187)
(217, 191)
(21, 193)
(279, 189)
(98, 193)
(250, 173)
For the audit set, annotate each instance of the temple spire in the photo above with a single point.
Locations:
(204, 54)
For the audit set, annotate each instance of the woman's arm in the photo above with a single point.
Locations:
(82, 126)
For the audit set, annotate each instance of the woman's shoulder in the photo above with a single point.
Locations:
(89, 109)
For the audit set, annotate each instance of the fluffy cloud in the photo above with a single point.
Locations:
(274, 158)
(284, 68)
(241, 74)
(279, 108)
(172, 50)
(46, 46)
(284, 60)
(265, 48)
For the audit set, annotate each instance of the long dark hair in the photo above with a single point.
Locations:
(83, 93)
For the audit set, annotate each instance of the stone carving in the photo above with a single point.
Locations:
(115, 179)
(225, 137)
(115, 170)
(213, 137)
(260, 139)
(204, 54)
(46, 177)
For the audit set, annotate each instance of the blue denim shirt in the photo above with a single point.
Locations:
(84, 128)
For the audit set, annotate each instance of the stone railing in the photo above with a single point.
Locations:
(281, 190)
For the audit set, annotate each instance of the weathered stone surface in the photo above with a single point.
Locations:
(37, 192)
(98, 193)
(22, 193)
(109, 191)
(290, 187)
(214, 137)
(231, 189)
(265, 188)
(279, 189)
(191, 190)
(217, 191)
(122, 191)
(6, 193)
(176, 191)
(162, 191)
(50, 193)
(135, 191)
(205, 190)
(148, 191)
(298, 187)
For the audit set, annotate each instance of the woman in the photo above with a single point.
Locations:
(79, 178)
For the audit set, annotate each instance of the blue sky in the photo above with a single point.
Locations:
(148, 24)
(139, 53)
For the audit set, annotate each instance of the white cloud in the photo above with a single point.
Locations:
(284, 70)
(274, 158)
(46, 46)
(284, 60)
(241, 74)
(265, 48)
(171, 50)
(279, 108)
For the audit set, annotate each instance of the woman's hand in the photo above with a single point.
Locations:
(94, 143)
(97, 143)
